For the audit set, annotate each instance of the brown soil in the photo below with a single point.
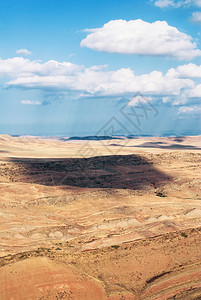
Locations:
(104, 226)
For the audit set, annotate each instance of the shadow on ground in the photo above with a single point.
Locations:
(160, 145)
(115, 171)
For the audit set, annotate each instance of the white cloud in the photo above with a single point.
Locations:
(196, 17)
(189, 110)
(176, 3)
(167, 99)
(24, 67)
(195, 92)
(176, 86)
(186, 71)
(189, 71)
(23, 52)
(196, 2)
(30, 102)
(166, 3)
(143, 38)
(139, 99)
(94, 80)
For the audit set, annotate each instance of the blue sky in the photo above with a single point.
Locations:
(68, 67)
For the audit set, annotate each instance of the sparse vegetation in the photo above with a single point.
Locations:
(121, 234)
(115, 246)
(159, 194)
(23, 256)
(184, 234)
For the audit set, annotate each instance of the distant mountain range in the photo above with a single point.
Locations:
(104, 137)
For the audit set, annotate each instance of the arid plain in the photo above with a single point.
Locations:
(109, 219)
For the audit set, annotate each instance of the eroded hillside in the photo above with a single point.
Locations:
(123, 226)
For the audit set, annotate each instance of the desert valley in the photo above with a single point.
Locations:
(107, 219)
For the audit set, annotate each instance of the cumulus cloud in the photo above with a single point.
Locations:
(166, 3)
(95, 80)
(63, 77)
(195, 92)
(176, 3)
(23, 52)
(143, 38)
(31, 102)
(196, 17)
(186, 71)
(25, 67)
(189, 110)
(190, 71)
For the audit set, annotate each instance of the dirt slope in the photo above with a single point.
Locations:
(105, 226)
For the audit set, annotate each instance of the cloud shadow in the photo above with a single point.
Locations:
(114, 171)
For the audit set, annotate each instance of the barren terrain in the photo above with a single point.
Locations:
(110, 219)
